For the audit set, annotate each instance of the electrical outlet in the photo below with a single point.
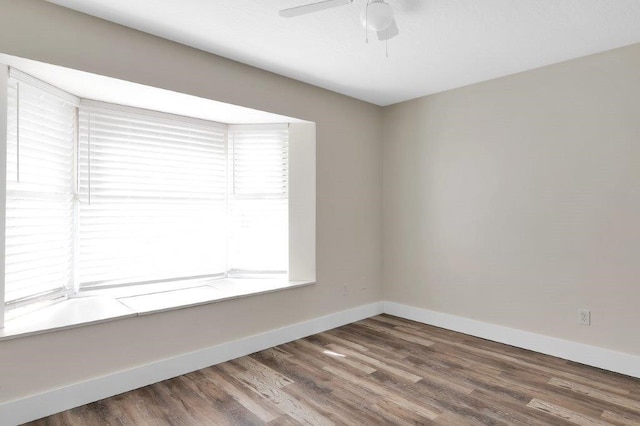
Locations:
(345, 289)
(584, 317)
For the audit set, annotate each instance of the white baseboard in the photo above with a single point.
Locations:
(607, 359)
(55, 401)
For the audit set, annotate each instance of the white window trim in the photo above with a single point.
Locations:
(4, 80)
(44, 86)
(99, 308)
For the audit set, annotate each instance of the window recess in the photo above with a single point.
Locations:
(102, 196)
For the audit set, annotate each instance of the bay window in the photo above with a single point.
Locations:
(102, 196)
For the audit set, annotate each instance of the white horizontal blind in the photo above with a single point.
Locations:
(152, 191)
(39, 211)
(259, 231)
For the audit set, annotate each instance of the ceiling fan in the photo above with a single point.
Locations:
(376, 16)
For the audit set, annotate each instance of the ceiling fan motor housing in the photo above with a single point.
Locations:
(377, 15)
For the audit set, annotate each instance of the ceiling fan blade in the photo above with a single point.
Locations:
(313, 7)
(390, 32)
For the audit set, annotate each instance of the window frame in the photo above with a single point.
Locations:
(88, 107)
(43, 299)
(246, 130)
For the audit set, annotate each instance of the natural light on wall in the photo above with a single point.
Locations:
(105, 196)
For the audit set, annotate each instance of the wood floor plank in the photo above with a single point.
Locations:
(299, 411)
(520, 386)
(161, 409)
(339, 411)
(583, 403)
(383, 392)
(300, 371)
(361, 332)
(377, 344)
(448, 419)
(400, 373)
(333, 338)
(597, 394)
(201, 402)
(397, 332)
(170, 405)
(136, 408)
(502, 361)
(266, 374)
(215, 378)
(625, 419)
(379, 371)
(398, 414)
(284, 421)
(442, 399)
(565, 413)
(324, 352)
(519, 413)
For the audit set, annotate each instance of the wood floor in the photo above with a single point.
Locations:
(383, 370)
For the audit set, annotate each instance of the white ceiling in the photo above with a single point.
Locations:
(442, 44)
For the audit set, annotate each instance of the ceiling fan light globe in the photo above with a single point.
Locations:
(377, 16)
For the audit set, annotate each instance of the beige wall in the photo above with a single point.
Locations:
(349, 181)
(517, 201)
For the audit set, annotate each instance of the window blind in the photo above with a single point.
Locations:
(259, 230)
(152, 191)
(39, 211)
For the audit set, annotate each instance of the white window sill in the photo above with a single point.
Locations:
(101, 307)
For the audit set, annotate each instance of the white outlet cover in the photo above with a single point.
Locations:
(584, 317)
